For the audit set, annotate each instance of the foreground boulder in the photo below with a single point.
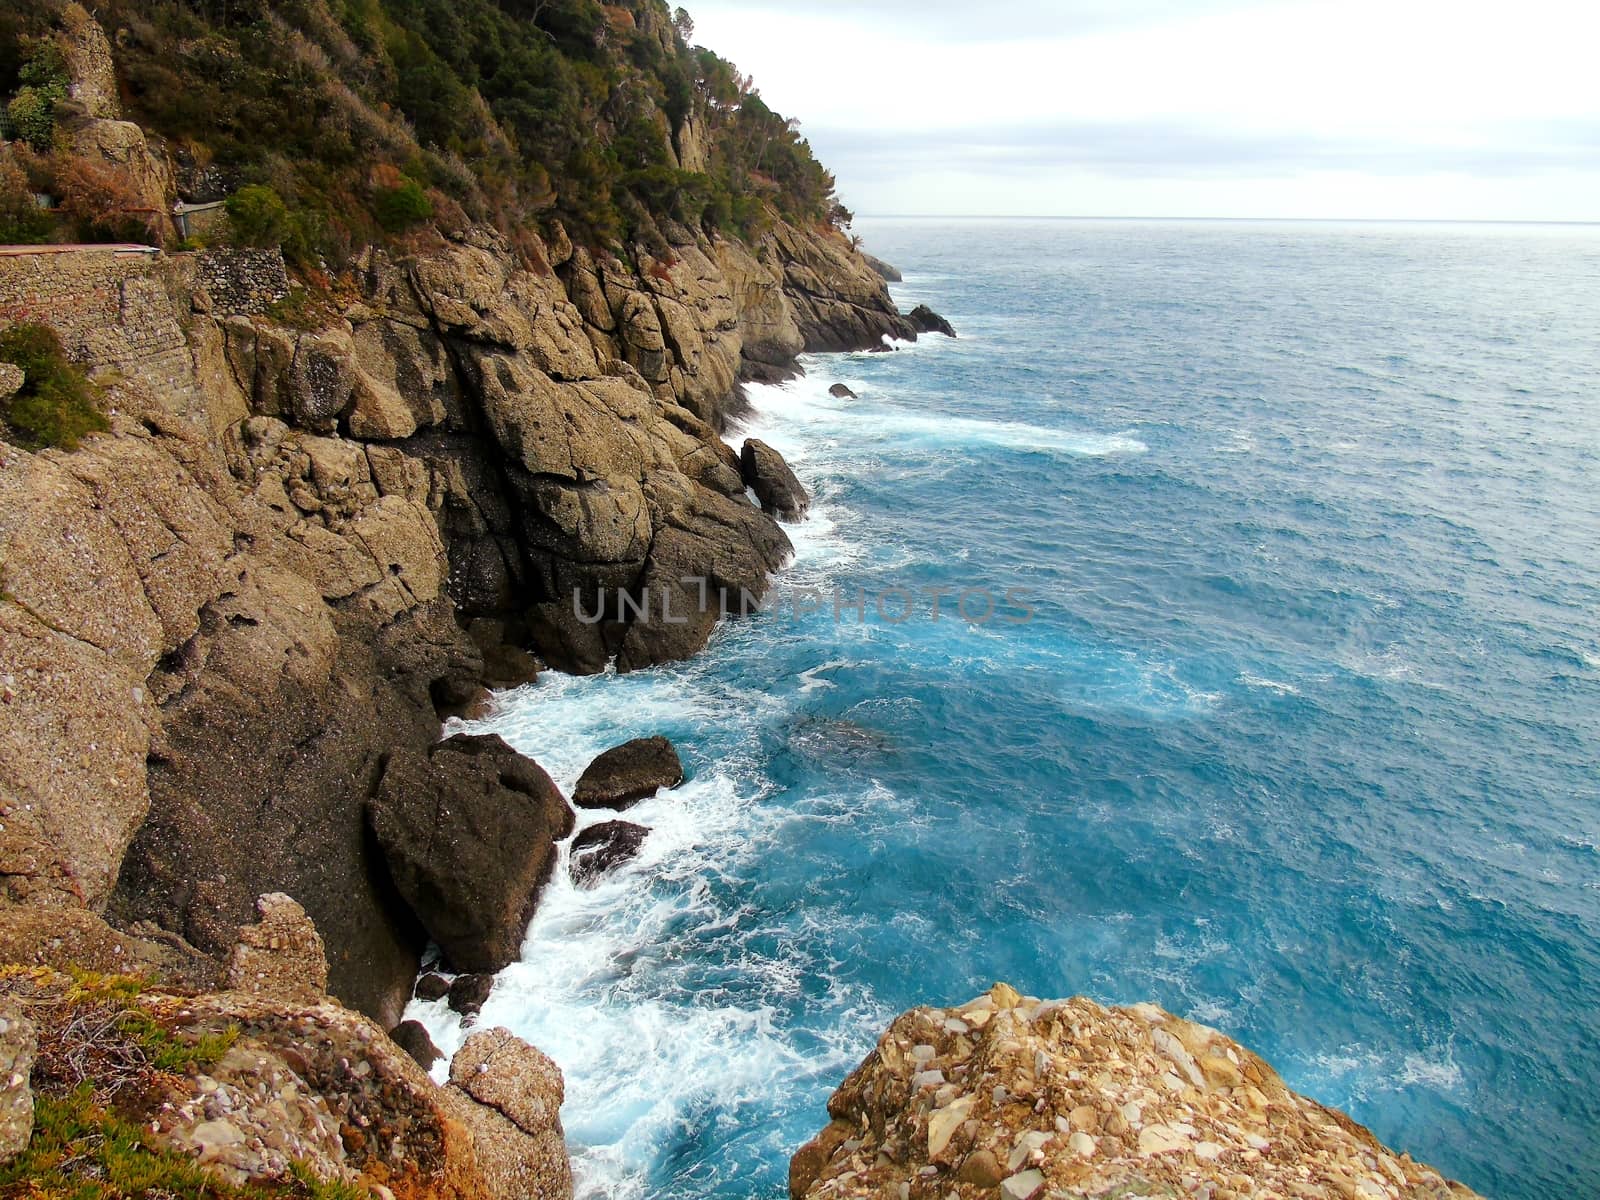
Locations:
(925, 320)
(468, 832)
(775, 485)
(1013, 1098)
(603, 848)
(629, 773)
(515, 1094)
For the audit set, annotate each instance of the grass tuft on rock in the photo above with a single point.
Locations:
(83, 1151)
(57, 406)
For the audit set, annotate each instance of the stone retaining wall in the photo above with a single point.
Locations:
(113, 307)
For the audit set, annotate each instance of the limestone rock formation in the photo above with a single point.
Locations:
(602, 848)
(1007, 1096)
(774, 484)
(285, 1084)
(467, 830)
(282, 955)
(884, 271)
(629, 773)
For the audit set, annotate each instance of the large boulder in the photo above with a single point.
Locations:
(468, 831)
(602, 848)
(925, 320)
(1010, 1096)
(774, 484)
(629, 773)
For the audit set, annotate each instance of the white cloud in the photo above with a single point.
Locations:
(1427, 108)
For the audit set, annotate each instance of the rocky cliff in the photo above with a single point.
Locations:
(1011, 1097)
(302, 544)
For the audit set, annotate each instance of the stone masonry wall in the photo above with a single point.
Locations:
(114, 307)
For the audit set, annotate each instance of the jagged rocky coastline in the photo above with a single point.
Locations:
(230, 629)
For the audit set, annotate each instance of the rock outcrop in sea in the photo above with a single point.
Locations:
(1014, 1098)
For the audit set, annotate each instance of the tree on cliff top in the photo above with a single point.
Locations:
(507, 111)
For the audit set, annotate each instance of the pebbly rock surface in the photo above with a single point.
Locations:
(282, 955)
(514, 1094)
(468, 831)
(603, 848)
(774, 484)
(1012, 1098)
(18, 1045)
(629, 773)
(11, 380)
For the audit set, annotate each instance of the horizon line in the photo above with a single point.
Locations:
(1301, 220)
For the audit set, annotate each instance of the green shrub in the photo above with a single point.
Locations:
(31, 113)
(401, 206)
(56, 406)
(259, 216)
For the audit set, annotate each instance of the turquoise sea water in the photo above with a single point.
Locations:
(1300, 740)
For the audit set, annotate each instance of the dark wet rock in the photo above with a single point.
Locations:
(468, 832)
(412, 1037)
(432, 986)
(925, 320)
(883, 270)
(468, 993)
(603, 848)
(774, 484)
(629, 773)
(839, 392)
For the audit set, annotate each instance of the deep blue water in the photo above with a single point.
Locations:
(1300, 740)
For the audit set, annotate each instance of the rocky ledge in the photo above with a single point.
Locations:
(1014, 1098)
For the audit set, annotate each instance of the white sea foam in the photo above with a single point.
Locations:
(804, 423)
(1271, 685)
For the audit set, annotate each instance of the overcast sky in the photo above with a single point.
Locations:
(1294, 108)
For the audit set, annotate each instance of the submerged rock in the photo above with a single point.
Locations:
(1066, 1098)
(839, 392)
(925, 320)
(432, 986)
(468, 832)
(629, 773)
(602, 848)
(774, 484)
(469, 993)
